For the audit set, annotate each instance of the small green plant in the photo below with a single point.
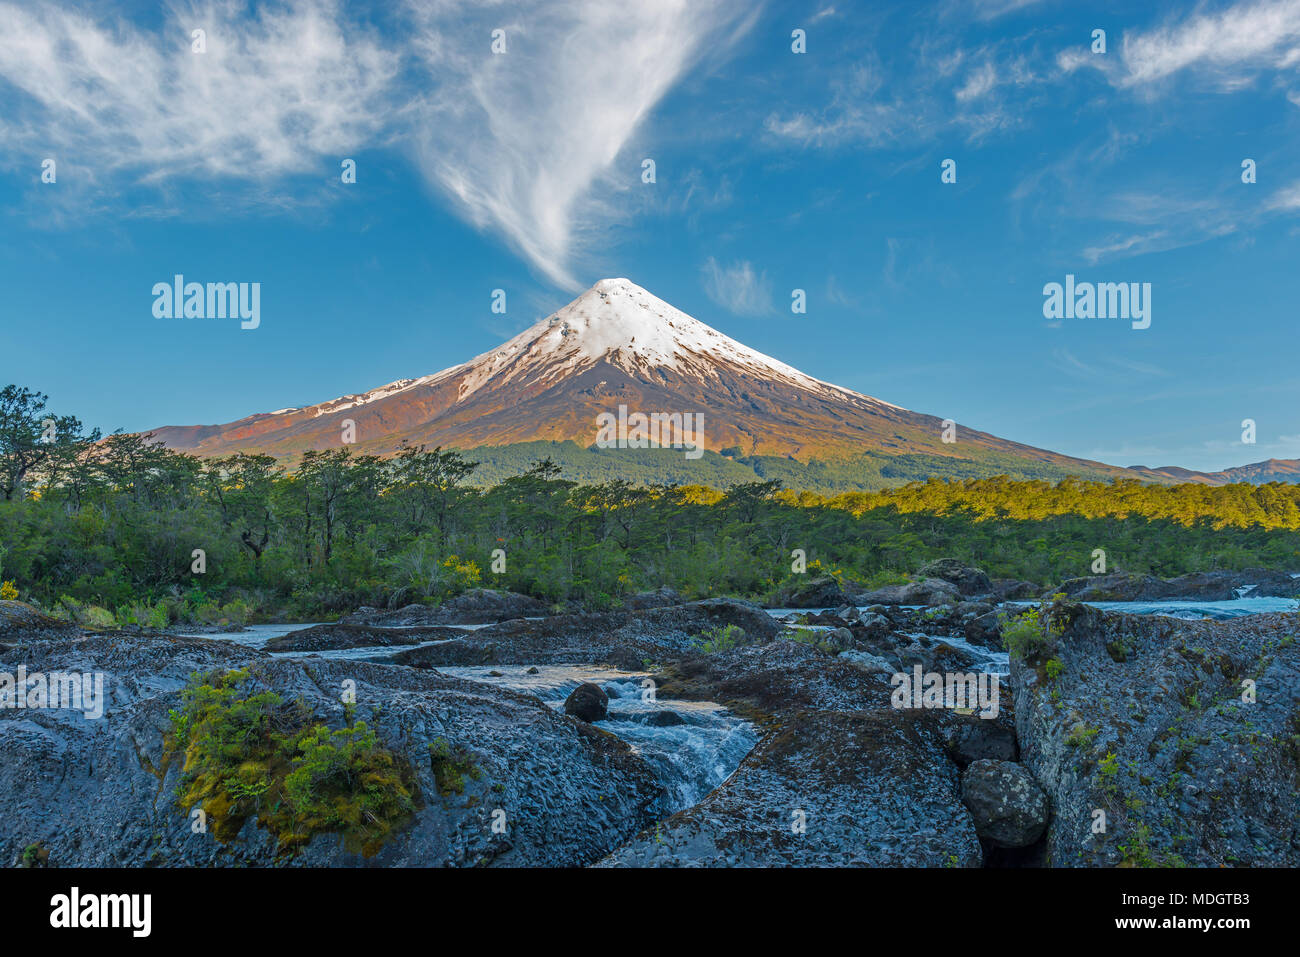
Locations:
(8, 591)
(722, 639)
(34, 855)
(1081, 736)
(450, 767)
(813, 637)
(1108, 772)
(1054, 667)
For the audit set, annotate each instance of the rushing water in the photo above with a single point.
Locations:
(693, 746)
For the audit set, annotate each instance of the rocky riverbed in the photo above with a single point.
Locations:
(699, 734)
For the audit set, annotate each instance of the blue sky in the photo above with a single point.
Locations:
(775, 170)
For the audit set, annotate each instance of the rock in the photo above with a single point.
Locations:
(663, 597)
(968, 579)
(624, 659)
(340, 636)
(972, 738)
(99, 793)
(532, 671)
(872, 784)
(873, 664)
(985, 629)
(623, 639)
(1198, 586)
(820, 592)
(1012, 589)
(664, 719)
(871, 627)
(839, 639)
(1143, 716)
(931, 591)
(587, 702)
(21, 622)
(1008, 806)
(478, 606)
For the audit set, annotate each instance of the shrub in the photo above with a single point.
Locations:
(1032, 633)
(722, 639)
(450, 766)
(8, 591)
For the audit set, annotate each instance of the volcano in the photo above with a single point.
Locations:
(618, 345)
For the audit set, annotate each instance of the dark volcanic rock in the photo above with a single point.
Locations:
(101, 793)
(662, 597)
(1012, 589)
(1150, 721)
(335, 637)
(968, 579)
(588, 702)
(479, 606)
(624, 639)
(20, 622)
(930, 591)
(1008, 806)
(1198, 586)
(840, 778)
(973, 738)
(820, 592)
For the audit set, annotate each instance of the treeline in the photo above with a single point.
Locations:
(123, 527)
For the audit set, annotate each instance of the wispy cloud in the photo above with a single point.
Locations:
(523, 142)
(270, 95)
(519, 139)
(738, 288)
(1226, 46)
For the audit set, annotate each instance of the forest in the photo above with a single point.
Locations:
(121, 530)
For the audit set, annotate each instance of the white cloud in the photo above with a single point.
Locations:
(1226, 46)
(1287, 198)
(270, 95)
(738, 288)
(519, 139)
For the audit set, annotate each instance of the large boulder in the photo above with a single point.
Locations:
(822, 591)
(101, 792)
(930, 591)
(662, 597)
(478, 606)
(341, 636)
(968, 579)
(20, 622)
(840, 778)
(1009, 808)
(1197, 586)
(1182, 733)
(587, 702)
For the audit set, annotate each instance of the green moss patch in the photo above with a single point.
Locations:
(248, 754)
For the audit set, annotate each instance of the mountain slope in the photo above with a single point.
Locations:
(1256, 473)
(618, 345)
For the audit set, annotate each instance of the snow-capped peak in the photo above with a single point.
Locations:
(618, 322)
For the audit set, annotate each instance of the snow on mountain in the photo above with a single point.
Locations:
(618, 322)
